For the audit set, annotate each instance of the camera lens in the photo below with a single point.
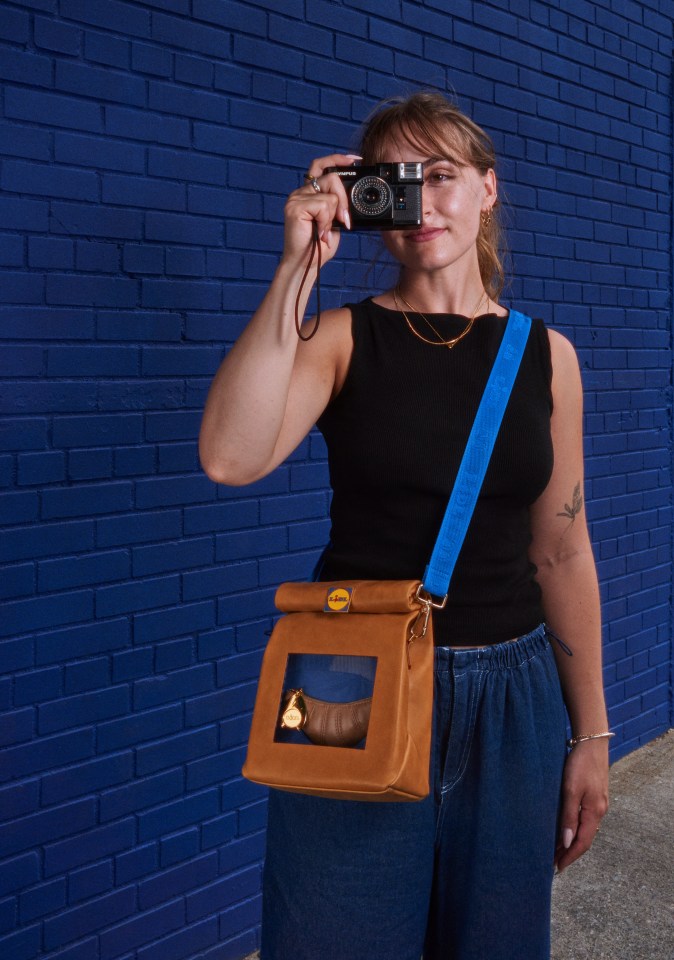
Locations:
(371, 196)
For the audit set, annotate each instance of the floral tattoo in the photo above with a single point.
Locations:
(572, 510)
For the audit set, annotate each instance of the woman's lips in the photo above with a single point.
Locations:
(423, 236)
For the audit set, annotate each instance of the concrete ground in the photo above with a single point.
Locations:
(617, 902)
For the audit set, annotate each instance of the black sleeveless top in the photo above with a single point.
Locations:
(396, 433)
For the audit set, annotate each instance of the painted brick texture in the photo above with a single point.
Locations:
(146, 150)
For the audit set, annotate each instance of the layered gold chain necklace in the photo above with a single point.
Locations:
(439, 342)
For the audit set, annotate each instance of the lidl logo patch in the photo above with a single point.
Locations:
(338, 600)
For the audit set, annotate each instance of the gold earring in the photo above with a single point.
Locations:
(485, 217)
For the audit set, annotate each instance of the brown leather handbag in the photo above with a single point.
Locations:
(373, 748)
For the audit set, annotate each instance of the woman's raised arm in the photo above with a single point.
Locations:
(271, 388)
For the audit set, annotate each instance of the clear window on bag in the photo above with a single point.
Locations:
(326, 700)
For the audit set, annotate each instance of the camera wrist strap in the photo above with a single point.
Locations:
(315, 251)
(476, 457)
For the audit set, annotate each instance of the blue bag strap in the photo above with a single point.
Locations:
(476, 457)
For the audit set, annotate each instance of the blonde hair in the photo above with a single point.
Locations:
(428, 119)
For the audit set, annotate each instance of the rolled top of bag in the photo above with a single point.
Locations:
(355, 596)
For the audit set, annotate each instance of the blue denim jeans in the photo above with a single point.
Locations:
(465, 874)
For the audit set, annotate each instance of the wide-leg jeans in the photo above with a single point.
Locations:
(465, 874)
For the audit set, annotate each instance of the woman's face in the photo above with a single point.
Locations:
(453, 197)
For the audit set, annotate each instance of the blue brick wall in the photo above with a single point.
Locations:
(147, 147)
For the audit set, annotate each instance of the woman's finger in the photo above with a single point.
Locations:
(320, 164)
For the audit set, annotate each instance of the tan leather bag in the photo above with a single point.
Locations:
(361, 618)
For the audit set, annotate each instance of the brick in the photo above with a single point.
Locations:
(89, 464)
(216, 706)
(11, 251)
(214, 770)
(141, 726)
(172, 556)
(181, 846)
(140, 794)
(83, 571)
(18, 873)
(184, 943)
(83, 709)
(174, 621)
(146, 926)
(132, 664)
(108, 13)
(171, 816)
(145, 125)
(89, 881)
(46, 826)
(17, 581)
(94, 221)
(23, 67)
(79, 921)
(87, 500)
(189, 35)
(179, 684)
(24, 944)
(184, 102)
(41, 900)
(218, 831)
(150, 58)
(22, 616)
(139, 527)
(57, 36)
(235, 15)
(58, 646)
(52, 109)
(89, 777)
(194, 70)
(104, 48)
(143, 191)
(138, 862)
(39, 755)
(18, 141)
(179, 880)
(91, 845)
(17, 801)
(222, 893)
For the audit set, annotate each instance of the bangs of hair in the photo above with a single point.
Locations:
(429, 123)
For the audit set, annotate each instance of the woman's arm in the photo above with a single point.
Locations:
(563, 556)
(271, 388)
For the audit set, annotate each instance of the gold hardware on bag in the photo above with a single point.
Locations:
(422, 620)
(294, 713)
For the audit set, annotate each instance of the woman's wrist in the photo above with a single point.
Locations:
(588, 737)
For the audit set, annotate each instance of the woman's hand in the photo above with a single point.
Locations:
(584, 800)
(306, 205)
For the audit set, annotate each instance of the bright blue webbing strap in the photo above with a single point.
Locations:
(476, 456)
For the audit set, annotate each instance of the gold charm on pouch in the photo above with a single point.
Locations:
(294, 713)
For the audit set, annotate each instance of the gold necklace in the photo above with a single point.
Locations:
(439, 342)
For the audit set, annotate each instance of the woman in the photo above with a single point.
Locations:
(394, 383)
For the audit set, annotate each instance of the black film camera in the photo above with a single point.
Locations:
(383, 196)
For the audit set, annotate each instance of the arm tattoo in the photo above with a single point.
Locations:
(572, 510)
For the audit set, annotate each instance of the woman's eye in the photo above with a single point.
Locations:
(441, 176)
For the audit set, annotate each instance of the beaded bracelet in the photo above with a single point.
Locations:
(588, 736)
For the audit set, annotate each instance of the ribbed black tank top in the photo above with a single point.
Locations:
(396, 433)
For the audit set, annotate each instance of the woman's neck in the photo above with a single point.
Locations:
(428, 294)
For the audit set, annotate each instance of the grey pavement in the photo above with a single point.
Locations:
(617, 902)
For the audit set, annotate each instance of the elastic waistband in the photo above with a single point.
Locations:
(511, 653)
